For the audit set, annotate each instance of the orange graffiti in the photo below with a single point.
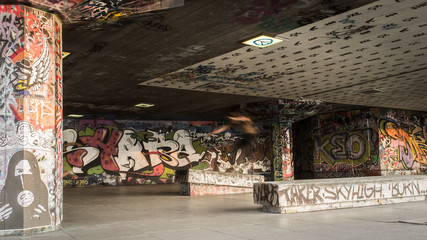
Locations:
(413, 137)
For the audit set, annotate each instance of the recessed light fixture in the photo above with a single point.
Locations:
(75, 115)
(144, 105)
(262, 41)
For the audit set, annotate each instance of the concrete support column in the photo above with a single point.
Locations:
(283, 166)
(30, 120)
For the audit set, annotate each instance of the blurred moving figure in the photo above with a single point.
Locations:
(243, 124)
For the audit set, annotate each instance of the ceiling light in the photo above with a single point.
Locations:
(144, 105)
(75, 115)
(262, 41)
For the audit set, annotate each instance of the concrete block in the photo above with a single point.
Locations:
(325, 194)
(199, 182)
(195, 189)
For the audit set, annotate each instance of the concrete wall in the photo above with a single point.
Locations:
(366, 142)
(144, 152)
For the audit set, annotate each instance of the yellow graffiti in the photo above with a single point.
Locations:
(413, 137)
(115, 16)
(350, 148)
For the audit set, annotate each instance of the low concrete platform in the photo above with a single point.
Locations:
(326, 194)
(158, 212)
(200, 182)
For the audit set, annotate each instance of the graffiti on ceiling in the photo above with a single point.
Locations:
(106, 11)
(284, 110)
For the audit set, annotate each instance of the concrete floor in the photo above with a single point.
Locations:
(158, 212)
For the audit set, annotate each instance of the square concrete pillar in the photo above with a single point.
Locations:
(283, 165)
(30, 120)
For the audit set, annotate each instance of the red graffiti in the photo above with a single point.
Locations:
(8, 8)
(109, 148)
(75, 158)
(74, 2)
(34, 26)
(58, 95)
(157, 171)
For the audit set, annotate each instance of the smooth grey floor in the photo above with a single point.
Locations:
(158, 212)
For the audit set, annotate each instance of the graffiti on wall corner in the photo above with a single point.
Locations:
(409, 142)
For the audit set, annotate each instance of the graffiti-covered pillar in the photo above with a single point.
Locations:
(283, 166)
(30, 120)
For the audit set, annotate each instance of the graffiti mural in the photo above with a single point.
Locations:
(99, 11)
(403, 142)
(282, 115)
(109, 11)
(25, 66)
(345, 144)
(147, 152)
(366, 142)
(352, 148)
(30, 118)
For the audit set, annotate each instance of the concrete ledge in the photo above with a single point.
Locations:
(199, 182)
(195, 189)
(335, 193)
(27, 231)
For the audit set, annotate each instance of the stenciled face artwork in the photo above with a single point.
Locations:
(24, 194)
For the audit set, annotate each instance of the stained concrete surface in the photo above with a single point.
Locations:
(158, 212)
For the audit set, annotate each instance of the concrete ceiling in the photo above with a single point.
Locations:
(89, 11)
(189, 61)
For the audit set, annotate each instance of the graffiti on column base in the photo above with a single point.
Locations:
(266, 193)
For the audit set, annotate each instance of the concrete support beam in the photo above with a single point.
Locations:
(30, 120)
(283, 165)
(326, 194)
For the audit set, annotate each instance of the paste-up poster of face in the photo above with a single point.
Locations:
(24, 197)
